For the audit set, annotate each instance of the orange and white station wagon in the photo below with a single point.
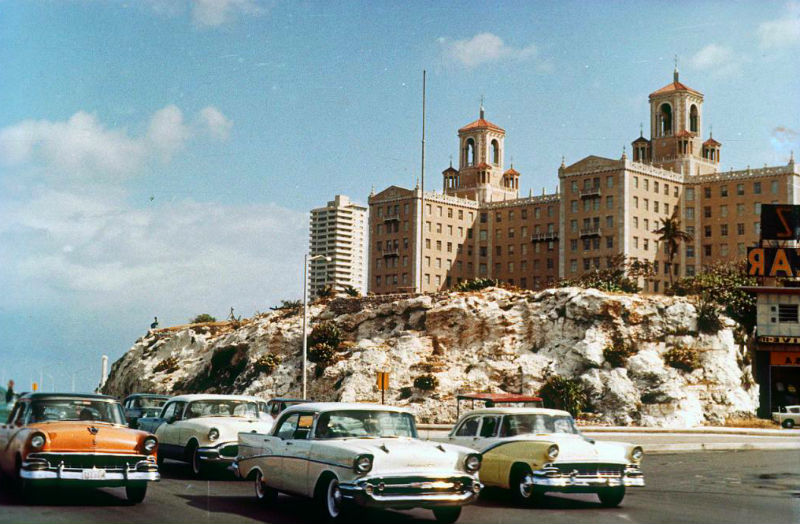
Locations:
(61, 439)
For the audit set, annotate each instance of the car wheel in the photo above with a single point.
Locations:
(788, 423)
(447, 515)
(264, 493)
(23, 486)
(135, 494)
(329, 500)
(198, 468)
(611, 497)
(160, 460)
(523, 491)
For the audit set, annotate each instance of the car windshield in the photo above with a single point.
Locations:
(365, 424)
(53, 409)
(149, 402)
(222, 408)
(525, 424)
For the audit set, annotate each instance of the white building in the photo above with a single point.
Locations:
(339, 231)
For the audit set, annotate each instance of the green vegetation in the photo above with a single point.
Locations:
(168, 365)
(202, 318)
(564, 393)
(426, 382)
(683, 358)
(266, 363)
(288, 304)
(325, 333)
(708, 320)
(671, 235)
(721, 284)
(476, 284)
(351, 291)
(619, 277)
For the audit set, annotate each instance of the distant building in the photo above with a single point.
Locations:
(479, 227)
(338, 231)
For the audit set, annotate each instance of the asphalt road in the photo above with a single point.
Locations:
(746, 486)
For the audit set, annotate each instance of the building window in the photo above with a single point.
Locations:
(636, 222)
(787, 313)
(707, 231)
(655, 206)
(573, 225)
(636, 181)
(740, 189)
(707, 212)
(498, 251)
(707, 192)
(723, 191)
(757, 188)
(483, 251)
(723, 250)
(438, 227)
(689, 251)
(573, 244)
(609, 182)
(646, 204)
(646, 244)
(675, 191)
(757, 208)
(484, 235)
(573, 265)
(609, 242)
(646, 184)
(723, 230)
(498, 233)
(723, 211)
(609, 222)
(689, 194)
(774, 187)
(427, 243)
(707, 250)
(666, 189)
(636, 242)
(757, 227)
(573, 206)
(655, 186)
(438, 245)
(511, 232)
(740, 229)
(636, 202)
(449, 247)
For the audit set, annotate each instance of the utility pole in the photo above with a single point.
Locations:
(422, 190)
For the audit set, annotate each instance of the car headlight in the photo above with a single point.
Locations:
(637, 453)
(472, 463)
(37, 441)
(150, 444)
(363, 464)
(213, 434)
(552, 452)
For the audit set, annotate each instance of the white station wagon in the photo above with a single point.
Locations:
(202, 429)
(532, 451)
(345, 455)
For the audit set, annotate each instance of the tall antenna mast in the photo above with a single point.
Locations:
(422, 188)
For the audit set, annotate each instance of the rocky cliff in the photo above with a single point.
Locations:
(638, 359)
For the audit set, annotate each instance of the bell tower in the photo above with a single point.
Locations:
(480, 173)
(676, 113)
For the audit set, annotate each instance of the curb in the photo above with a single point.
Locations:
(705, 430)
(658, 449)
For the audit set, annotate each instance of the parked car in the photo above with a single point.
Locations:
(275, 406)
(789, 418)
(67, 439)
(140, 405)
(202, 429)
(358, 454)
(532, 451)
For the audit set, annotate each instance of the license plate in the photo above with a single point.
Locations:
(94, 474)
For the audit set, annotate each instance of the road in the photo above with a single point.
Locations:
(745, 486)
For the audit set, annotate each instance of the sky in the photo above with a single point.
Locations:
(160, 157)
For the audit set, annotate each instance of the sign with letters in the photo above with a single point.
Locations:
(767, 339)
(784, 358)
(780, 222)
(773, 262)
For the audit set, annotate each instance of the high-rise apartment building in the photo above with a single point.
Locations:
(479, 227)
(338, 231)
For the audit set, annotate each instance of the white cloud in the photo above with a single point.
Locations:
(717, 59)
(167, 132)
(483, 48)
(82, 147)
(217, 124)
(214, 13)
(782, 32)
(93, 251)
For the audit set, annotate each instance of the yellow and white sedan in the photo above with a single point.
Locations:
(532, 451)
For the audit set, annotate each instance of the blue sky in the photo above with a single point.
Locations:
(159, 157)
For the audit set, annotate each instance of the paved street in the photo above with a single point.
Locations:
(747, 487)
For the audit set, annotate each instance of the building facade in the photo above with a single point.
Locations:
(479, 227)
(338, 231)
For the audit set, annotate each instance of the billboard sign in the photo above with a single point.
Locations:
(780, 222)
(773, 262)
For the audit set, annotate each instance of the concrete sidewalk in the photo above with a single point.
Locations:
(670, 440)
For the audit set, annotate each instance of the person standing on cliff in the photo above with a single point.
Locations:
(10, 392)
(155, 323)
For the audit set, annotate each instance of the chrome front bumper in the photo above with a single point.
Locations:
(412, 492)
(555, 479)
(214, 454)
(41, 472)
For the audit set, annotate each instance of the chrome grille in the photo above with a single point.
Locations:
(88, 461)
(590, 469)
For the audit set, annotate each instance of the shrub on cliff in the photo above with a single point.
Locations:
(266, 363)
(683, 358)
(564, 393)
(426, 382)
(204, 317)
(325, 333)
(721, 284)
(708, 317)
(288, 305)
(619, 277)
(475, 284)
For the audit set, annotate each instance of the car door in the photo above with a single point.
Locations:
(486, 439)
(294, 465)
(7, 432)
(168, 432)
(466, 434)
(275, 447)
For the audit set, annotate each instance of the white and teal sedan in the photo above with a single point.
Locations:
(345, 455)
(202, 429)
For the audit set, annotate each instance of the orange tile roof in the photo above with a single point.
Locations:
(684, 133)
(450, 169)
(711, 142)
(481, 124)
(483, 165)
(674, 86)
(511, 171)
(641, 139)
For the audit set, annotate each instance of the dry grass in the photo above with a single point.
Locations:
(751, 422)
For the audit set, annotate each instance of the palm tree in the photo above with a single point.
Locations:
(671, 234)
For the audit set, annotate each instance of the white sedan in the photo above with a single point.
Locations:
(203, 429)
(343, 455)
(532, 451)
(789, 418)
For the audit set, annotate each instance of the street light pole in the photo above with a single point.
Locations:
(306, 260)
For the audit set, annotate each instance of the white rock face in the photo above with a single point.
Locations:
(488, 341)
